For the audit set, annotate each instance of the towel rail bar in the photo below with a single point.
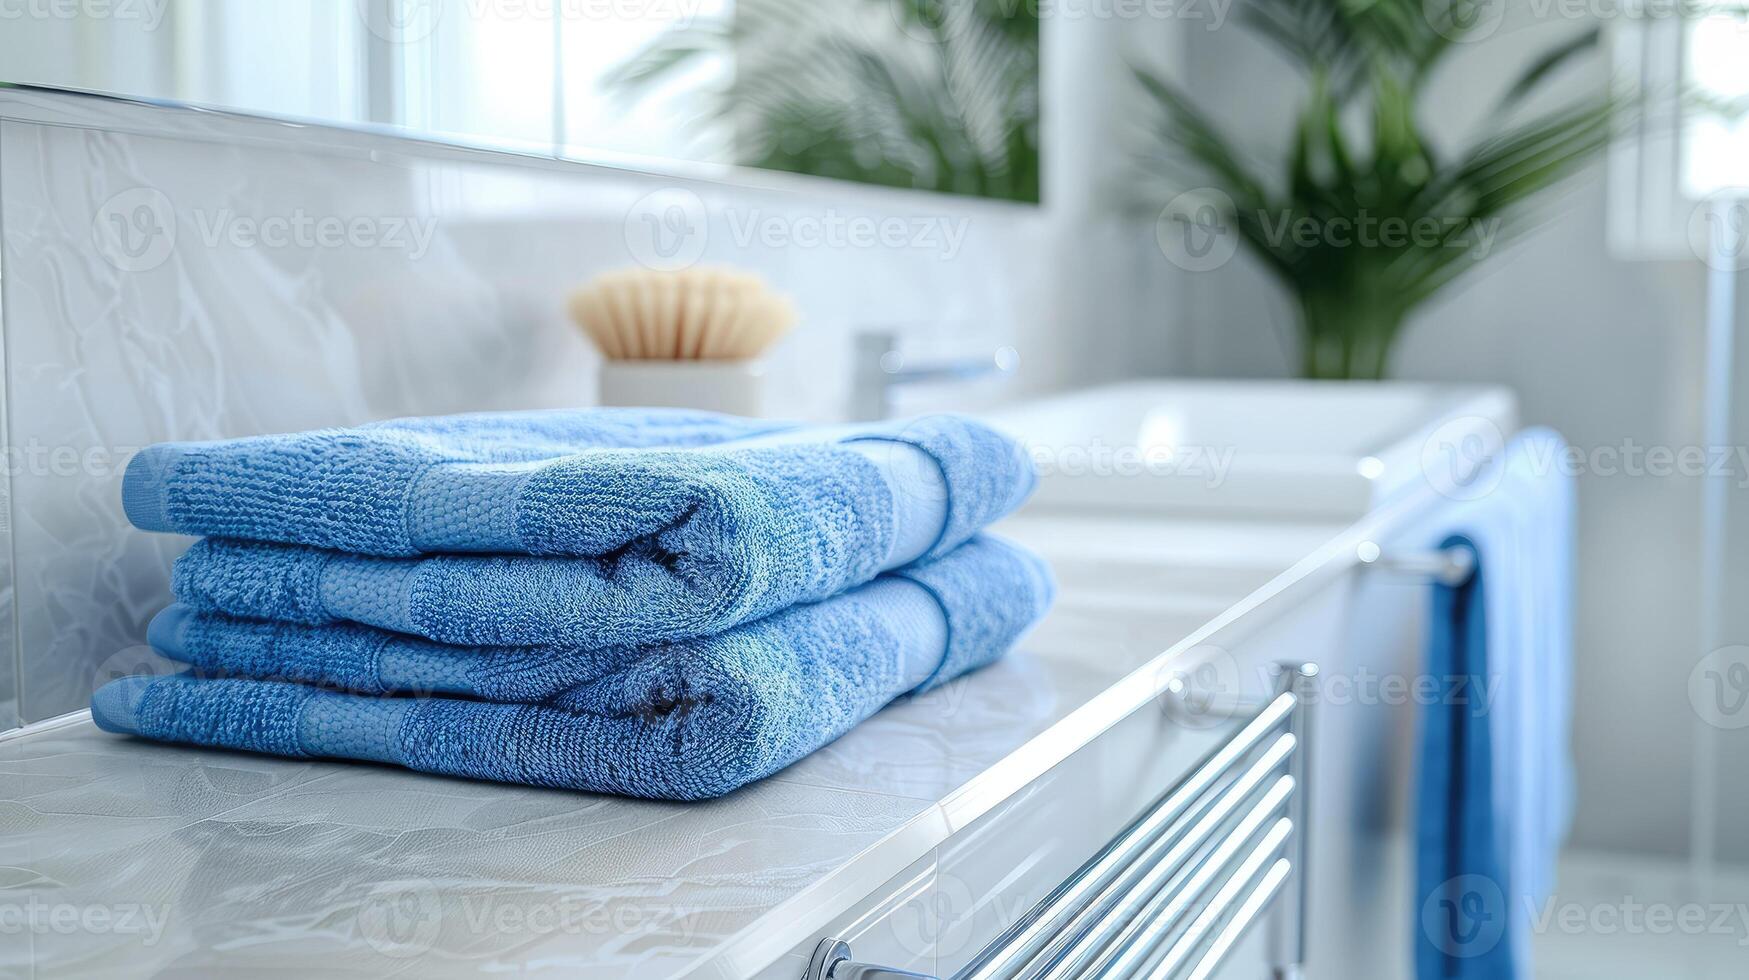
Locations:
(1177, 888)
(1449, 566)
(1225, 903)
(1167, 910)
(1023, 943)
(1119, 918)
(1253, 906)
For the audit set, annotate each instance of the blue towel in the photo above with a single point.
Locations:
(687, 720)
(354, 489)
(593, 545)
(1495, 779)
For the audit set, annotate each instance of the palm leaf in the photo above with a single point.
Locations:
(943, 98)
(668, 54)
(1549, 62)
(1198, 138)
(1369, 59)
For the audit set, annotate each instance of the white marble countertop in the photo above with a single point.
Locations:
(119, 855)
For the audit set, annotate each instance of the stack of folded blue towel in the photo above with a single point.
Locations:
(649, 602)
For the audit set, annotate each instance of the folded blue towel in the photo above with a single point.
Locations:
(354, 489)
(599, 547)
(683, 721)
(586, 482)
(366, 660)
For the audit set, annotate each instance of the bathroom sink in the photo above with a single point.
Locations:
(1287, 448)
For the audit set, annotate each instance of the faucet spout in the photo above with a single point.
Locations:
(880, 367)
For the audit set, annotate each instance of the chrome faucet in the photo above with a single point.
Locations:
(880, 367)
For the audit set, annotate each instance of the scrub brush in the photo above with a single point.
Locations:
(700, 314)
(686, 339)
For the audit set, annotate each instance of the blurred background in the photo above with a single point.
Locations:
(1537, 194)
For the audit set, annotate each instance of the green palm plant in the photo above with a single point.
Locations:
(1428, 211)
(931, 94)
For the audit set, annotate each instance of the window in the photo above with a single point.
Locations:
(1715, 146)
(1680, 152)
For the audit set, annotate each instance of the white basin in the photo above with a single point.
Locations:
(1291, 448)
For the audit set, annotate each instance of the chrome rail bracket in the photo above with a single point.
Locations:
(1291, 928)
(1452, 566)
(832, 961)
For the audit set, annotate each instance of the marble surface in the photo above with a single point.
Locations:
(171, 860)
(206, 862)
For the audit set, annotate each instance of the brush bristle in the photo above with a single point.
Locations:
(692, 314)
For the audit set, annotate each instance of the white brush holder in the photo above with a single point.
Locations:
(735, 387)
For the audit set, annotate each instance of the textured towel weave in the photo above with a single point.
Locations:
(588, 482)
(680, 721)
(350, 489)
(600, 547)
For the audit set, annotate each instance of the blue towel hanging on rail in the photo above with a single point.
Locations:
(1494, 792)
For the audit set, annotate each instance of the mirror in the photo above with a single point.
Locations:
(931, 94)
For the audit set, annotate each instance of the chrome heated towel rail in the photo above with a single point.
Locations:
(1220, 853)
